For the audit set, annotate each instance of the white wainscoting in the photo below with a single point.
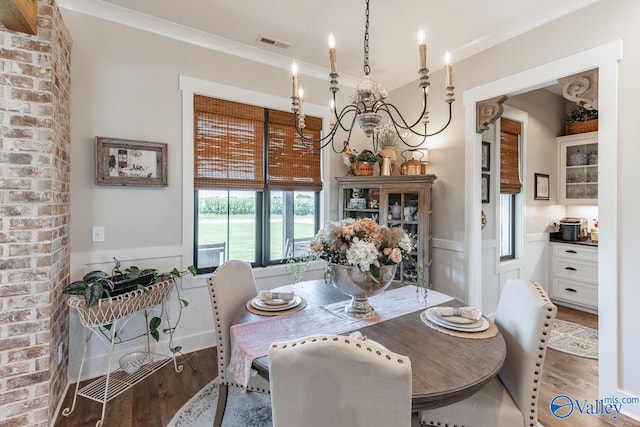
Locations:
(532, 266)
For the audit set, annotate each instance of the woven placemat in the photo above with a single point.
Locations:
(491, 332)
(252, 309)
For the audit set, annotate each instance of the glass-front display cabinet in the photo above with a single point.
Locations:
(578, 174)
(395, 201)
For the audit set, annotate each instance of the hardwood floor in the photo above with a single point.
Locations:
(154, 401)
(576, 377)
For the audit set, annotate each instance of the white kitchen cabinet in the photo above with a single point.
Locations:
(578, 169)
(574, 275)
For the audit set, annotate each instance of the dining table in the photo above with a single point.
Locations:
(445, 368)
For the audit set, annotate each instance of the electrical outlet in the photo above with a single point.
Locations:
(59, 353)
(97, 234)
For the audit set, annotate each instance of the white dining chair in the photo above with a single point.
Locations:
(338, 381)
(230, 287)
(524, 317)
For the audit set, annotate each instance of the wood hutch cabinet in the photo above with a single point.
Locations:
(395, 201)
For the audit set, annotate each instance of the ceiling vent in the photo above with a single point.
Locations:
(273, 42)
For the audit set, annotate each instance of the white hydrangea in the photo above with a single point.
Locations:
(405, 244)
(362, 254)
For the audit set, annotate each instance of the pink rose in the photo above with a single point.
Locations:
(387, 251)
(396, 255)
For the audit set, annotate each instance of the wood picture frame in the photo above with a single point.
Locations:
(485, 188)
(486, 156)
(541, 186)
(130, 163)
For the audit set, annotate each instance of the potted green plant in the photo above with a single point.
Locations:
(99, 284)
(363, 162)
(582, 120)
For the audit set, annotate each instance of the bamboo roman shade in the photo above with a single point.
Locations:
(510, 132)
(228, 138)
(290, 164)
(229, 148)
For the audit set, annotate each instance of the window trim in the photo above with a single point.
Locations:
(190, 86)
(515, 263)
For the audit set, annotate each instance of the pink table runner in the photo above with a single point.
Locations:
(252, 340)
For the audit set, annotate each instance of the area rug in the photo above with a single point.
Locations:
(575, 339)
(243, 409)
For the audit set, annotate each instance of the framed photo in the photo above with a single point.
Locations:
(486, 156)
(485, 188)
(541, 186)
(130, 163)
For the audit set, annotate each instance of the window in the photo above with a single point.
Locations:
(510, 185)
(256, 185)
(507, 226)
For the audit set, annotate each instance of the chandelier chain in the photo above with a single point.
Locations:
(366, 67)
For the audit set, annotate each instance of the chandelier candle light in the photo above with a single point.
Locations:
(368, 102)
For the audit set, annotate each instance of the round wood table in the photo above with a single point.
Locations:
(445, 368)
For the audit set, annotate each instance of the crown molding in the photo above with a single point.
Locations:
(141, 21)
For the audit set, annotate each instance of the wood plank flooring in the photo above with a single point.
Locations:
(577, 377)
(150, 403)
(154, 401)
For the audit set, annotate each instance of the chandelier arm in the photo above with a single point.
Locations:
(308, 142)
(407, 143)
(446, 124)
(330, 137)
(382, 105)
(346, 110)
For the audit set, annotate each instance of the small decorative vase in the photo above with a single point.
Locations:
(359, 286)
(396, 209)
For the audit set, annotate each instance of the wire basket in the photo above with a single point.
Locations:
(108, 310)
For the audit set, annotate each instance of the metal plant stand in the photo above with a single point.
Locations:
(117, 312)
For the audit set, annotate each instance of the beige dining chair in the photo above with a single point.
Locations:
(524, 316)
(338, 381)
(230, 287)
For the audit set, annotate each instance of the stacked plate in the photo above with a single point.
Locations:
(275, 304)
(456, 323)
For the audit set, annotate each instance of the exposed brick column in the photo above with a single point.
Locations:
(34, 218)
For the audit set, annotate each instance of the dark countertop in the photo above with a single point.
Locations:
(587, 242)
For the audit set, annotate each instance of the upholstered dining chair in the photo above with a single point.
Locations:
(230, 287)
(524, 316)
(338, 381)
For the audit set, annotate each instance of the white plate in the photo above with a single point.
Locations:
(261, 305)
(433, 316)
(275, 302)
(429, 314)
(452, 325)
(460, 320)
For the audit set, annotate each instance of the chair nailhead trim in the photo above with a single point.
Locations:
(345, 340)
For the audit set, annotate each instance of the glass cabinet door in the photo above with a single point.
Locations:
(361, 203)
(579, 171)
(402, 208)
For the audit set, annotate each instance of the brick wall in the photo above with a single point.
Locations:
(34, 218)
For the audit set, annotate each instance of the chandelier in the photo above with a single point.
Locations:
(368, 104)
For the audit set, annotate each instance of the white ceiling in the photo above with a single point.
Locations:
(463, 27)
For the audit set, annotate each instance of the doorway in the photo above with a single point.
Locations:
(605, 59)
